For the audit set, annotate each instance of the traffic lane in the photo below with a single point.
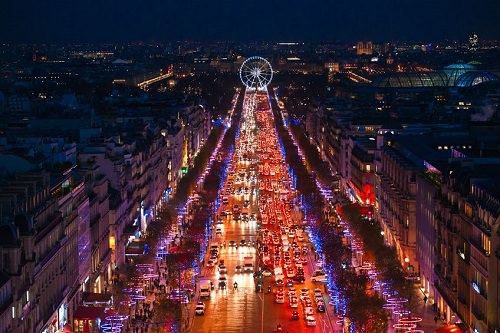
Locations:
(225, 303)
(231, 311)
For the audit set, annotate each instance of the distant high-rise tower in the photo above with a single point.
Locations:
(364, 48)
(473, 42)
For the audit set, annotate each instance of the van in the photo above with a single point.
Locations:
(278, 273)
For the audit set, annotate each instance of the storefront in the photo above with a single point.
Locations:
(58, 320)
(455, 328)
(87, 319)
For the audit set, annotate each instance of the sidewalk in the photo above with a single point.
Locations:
(426, 312)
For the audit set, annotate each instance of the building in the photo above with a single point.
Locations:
(39, 247)
(364, 48)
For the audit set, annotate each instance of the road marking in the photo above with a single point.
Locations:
(262, 315)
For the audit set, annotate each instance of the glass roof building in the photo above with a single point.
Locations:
(455, 75)
(454, 71)
(411, 80)
(473, 78)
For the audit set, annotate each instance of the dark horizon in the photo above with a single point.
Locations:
(29, 21)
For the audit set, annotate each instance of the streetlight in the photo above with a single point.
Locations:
(407, 261)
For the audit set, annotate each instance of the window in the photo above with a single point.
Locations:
(368, 168)
(468, 210)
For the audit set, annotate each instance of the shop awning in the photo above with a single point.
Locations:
(450, 329)
(96, 299)
(130, 230)
(134, 249)
(89, 312)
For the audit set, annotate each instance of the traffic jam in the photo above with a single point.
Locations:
(259, 195)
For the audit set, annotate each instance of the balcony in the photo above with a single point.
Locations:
(46, 258)
(477, 313)
(53, 221)
(444, 288)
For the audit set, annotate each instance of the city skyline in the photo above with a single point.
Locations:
(67, 22)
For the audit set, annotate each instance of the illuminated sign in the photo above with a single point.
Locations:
(476, 287)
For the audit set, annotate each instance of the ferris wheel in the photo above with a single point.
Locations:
(256, 73)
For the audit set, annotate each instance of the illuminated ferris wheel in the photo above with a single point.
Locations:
(256, 73)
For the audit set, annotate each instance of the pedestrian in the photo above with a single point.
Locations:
(435, 319)
(425, 299)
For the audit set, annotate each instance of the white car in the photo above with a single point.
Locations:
(318, 276)
(280, 299)
(308, 311)
(200, 309)
(310, 321)
(267, 272)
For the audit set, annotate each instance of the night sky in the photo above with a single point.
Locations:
(284, 20)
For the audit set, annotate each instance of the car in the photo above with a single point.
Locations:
(310, 321)
(321, 307)
(222, 269)
(295, 315)
(211, 262)
(289, 282)
(200, 309)
(267, 272)
(223, 277)
(279, 283)
(238, 269)
(318, 275)
(242, 242)
(308, 311)
(294, 303)
(307, 302)
(299, 278)
(232, 243)
(218, 231)
(280, 299)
